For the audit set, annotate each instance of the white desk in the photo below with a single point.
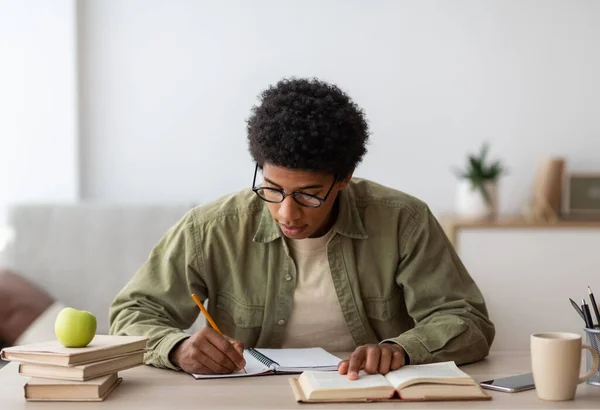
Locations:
(148, 388)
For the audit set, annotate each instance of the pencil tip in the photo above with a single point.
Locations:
(589, 290)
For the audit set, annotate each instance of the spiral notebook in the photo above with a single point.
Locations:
(260, 362)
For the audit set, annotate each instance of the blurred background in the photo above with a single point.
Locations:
(116, 116)
(137, 101)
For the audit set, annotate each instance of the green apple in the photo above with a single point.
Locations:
(75, 328)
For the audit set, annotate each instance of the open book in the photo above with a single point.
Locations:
(281, 361)
(436, 381)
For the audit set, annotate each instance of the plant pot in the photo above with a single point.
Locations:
(471, 203)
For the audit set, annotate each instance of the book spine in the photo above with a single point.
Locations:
(262, 358)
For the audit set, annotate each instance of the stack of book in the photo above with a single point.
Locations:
(90, 373)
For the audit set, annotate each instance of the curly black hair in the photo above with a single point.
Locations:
(310, 125)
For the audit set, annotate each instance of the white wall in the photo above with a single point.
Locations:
(38, 101)
(167, 86)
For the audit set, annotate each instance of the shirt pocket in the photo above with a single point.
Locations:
(387, 315)
(384, 308)
(238, 320)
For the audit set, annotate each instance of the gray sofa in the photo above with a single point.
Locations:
(83, 254)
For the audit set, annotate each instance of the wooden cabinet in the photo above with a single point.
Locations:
(528, 271)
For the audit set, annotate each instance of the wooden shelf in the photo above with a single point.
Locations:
(453, 223)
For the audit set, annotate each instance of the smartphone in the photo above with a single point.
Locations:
(510, 384)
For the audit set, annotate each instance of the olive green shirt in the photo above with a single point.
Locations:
(396, 275)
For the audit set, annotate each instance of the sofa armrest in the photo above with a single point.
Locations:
(22, 303)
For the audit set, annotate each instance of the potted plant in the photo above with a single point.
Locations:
(477, 194)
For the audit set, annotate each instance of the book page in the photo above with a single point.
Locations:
(319, 385)
(442, 391)
(307, 358)
(334, 380)
(253, 368)
(445, 372)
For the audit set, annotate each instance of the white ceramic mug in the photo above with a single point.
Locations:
(556, 363)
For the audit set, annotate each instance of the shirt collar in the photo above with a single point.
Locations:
(267, 230)
(348, 221)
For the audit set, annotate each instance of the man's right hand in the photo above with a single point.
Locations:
(207, 352)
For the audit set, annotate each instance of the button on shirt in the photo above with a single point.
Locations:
(317, 318)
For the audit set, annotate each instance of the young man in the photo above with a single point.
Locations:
(308, 257)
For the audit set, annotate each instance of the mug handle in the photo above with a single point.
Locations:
(594, 367)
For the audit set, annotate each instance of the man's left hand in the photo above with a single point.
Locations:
(373, 358)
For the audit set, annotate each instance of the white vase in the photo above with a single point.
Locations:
(470, 202)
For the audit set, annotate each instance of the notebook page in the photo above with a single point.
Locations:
(302, 359)
(441, 372)
(253, 368)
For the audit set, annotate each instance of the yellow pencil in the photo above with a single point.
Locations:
(210, 319)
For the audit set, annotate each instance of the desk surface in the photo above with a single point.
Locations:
(149, 388)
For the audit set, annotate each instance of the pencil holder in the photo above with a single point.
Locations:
(593, 339)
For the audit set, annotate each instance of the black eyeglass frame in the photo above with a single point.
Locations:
(292, 194)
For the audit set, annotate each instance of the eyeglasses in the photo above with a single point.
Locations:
(276, 196)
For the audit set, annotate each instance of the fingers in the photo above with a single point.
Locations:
(397, 361)
(209, 352)
(356, 362)
(200, 369)
(212, 360)
(372, 360)
(216, 359)
(385, 360)
(223, 345)
(237, 345)
(226, 355)
(343, 367)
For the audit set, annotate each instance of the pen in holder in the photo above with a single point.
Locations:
(593, 339)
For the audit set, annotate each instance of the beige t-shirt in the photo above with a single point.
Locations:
(317, 318)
